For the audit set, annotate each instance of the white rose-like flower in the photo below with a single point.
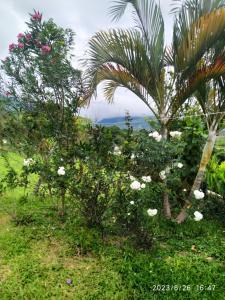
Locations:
(162, 175)
(152, 212)
(27, 162)
(4, 141)
(135, 185)
(117, 151)
(61, 171)
(175, 134)
(158, 138)
(146, 178)
(143, 185)
(132, 202)
(155, 135)
(198, 216)
(198, 194)
(180, 165)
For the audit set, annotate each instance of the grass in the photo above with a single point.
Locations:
(38, 254)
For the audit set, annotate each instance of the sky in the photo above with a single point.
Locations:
(85, 17)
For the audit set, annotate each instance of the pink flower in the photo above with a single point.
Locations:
(12, 47)
(20, 45)
(37, 16)
(45, 49)
(20, 36)
(28, 37)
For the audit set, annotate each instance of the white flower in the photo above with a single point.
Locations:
(61, 171)
(128, 214)
(152, 212)
(4, 141)
(132, 156)
(180, 165)
(198, 194)
(132, 202)
(198, 216)
(146, 178)
(132, 178)
(175, 134)
(117, 151)
(156, 136)
(135, 185)
(27, 162)
(184, 190)
(162, 175)
(143, 186)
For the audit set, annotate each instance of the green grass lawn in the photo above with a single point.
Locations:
(38, 254)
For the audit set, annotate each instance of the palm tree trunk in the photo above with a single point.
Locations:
(166, 206)
(166, 202)
(206, 156)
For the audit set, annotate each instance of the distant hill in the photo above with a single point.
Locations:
(137, 122)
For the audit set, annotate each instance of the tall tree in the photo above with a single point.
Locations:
(39, 71)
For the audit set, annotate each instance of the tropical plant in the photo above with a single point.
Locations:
(137, 59)
(211, 97)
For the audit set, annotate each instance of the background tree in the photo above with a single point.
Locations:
(40, 74)
(48, 90)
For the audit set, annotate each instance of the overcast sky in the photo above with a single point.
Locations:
(85, 17)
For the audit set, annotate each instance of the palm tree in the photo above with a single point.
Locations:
(211, 97)
(137, 59)
(198, 55)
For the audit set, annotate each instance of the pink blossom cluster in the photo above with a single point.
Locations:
(28, 36)
(20, 45)
(46, 49)
(12, 47)
(37, 16)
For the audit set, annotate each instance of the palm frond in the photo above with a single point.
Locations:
(125, 50)
(197, 28)
(199, 6)
(115, 77)
(149, 20)
(201, 76)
